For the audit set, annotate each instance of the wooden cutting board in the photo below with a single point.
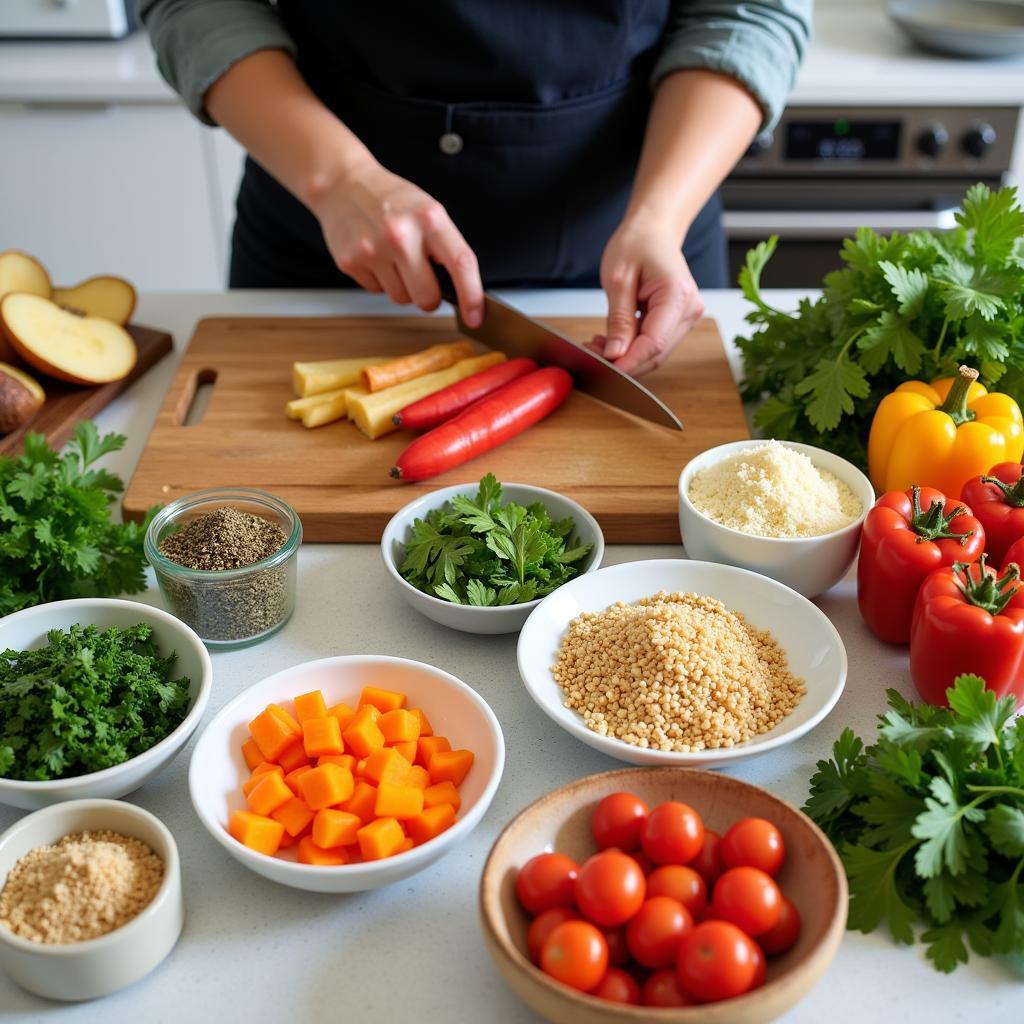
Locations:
(623, 469)
(67, 404)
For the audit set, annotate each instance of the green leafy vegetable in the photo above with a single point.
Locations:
(89, 700)
(477, 551)
(903, 306)
(929, 822)
(56, 536)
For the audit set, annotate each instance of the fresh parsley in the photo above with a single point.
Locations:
(57, 539)
(929, 822)
(89, 700)
(913, 305)
(475, 550)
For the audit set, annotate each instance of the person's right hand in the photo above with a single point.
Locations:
(383, 231)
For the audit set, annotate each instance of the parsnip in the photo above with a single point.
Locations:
(351, 394)
(372, 412)
(298, 407)
(314, 378)
(325, 412)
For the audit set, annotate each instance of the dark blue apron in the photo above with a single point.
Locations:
(524, 119)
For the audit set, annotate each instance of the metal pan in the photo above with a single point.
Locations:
(963, 28)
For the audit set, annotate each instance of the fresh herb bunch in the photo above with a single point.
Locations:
(929, 822)
(477, 551)
(56, 536)
(89, 700)
(904, 306)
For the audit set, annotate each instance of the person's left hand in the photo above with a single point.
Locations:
(643, 271)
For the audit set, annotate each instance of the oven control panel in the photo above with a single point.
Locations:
(880, 141)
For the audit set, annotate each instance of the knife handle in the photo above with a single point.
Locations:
(445, 281)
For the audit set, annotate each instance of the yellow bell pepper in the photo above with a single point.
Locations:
(941, 434)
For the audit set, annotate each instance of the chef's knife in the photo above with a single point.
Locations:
(516, 334)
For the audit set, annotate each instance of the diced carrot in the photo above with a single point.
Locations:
(407, 844)
(425, 727)
(310, 705)
(361, 767)
(343, 713)
(427, 746)
(362, 734)
(268, 794)
(442, 793)
(252, 754)
(272, 735)
(335, 828)
(294, 757)
(295, 815)
(325, 785)
(362, 802)
(380, 838)
(292, 778)
(407, 748)
(418, 776)
(342, 760)
(386, 765)
(287, 719)
(432, 822)
(395, 801)
(450, 764)
(256, 831)
(258, 773)
(287, 841)
(322, 736)
(310, 853)
(382, 700)
(399, 725)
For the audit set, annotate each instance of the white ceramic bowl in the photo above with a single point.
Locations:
(27, 630)
(96, 967)
(813, 648)
(455, 710)
(468, 618)
(810, 565)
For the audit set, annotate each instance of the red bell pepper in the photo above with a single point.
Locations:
(901, 544)
(968, 619)
(998, 502)
(1015, 553)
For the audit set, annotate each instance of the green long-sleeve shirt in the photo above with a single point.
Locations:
(758, 42)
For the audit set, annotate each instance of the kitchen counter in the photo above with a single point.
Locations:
(255, 951)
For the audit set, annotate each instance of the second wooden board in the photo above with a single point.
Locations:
(623, 469)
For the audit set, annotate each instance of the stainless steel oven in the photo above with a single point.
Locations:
(824, 172)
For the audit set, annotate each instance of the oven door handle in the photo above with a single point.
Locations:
(833, 223)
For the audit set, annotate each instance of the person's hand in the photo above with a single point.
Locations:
(383, 231)
(643, 271)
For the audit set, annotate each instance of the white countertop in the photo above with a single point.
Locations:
(255, 951)
(857, 57)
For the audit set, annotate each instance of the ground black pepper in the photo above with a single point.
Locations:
(225, 538)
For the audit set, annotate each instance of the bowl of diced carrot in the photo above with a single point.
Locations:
(347, 773)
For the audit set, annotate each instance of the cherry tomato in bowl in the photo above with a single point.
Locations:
(618, 986)
(680, 882)
(546, 881)
(618, 821)
(748, 898)
(673, 833)
(784, 933)
(575, 954)
(610, 888)
(654, 933)
(755, 843)
(662, 988)
(715, 961)
(543, 925)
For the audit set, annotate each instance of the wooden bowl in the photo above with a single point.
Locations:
(812, 877)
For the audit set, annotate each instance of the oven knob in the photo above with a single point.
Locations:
(761, 142)
(932, 141)
(977, 141)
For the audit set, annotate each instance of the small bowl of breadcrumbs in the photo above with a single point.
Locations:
(90, 898)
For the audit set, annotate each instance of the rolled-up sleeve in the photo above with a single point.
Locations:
(760, 43)
(196, 41)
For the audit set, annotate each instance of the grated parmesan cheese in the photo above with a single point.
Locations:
(770, 490)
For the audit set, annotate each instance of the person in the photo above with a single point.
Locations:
(524, 143)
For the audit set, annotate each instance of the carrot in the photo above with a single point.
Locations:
(399, 725)
(343, 760)
(257, 776)
(272, 735)
(430, 823)
(450, 764)
(427, 746)
(442, 793)
(382, 700)
(492, 421)
(294, 815)
(381, 838)
(343, 713)
(326, 785)
(256, 831)
(310, 705)
(407, 748)
(252, 754)
(394, 801)
(292, 778)
(268, 794)
(362, 802)
(335, 828)
(418, 777)
(362, 735)
(294, 757)
(397, 371)
(442, 405)
(310, 853)
(386, 765)
(322, 736)
(426, 729)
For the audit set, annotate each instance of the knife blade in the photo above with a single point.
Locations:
(507, 329)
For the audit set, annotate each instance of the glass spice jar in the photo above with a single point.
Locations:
(228, 607)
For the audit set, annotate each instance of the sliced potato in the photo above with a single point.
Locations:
(325, 412)
(20, 272)
(372, 412)
(106, 296)
(328, 375)
(298, 407)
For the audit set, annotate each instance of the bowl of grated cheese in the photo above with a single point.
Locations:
(789, 511)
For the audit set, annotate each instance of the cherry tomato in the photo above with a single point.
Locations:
(662, 989)
(785, 931)
(618, 820)
(575, 954)
(715, 961)
(681, 883)
(672, 834)
(760, 965)
(617, 986)
(653, 935)
(546, 881)
(610, 888)
(748, 898)
(708, 862)
(646, 865)
(543, 925)
(755, 843)
(618, 951)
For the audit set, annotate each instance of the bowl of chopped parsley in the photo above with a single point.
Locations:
(96, 696)
(481, 557)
